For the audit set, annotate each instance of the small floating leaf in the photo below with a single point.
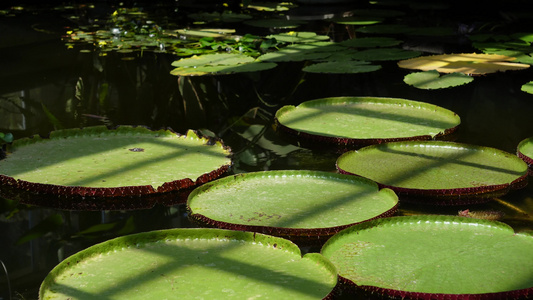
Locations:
(430, 80)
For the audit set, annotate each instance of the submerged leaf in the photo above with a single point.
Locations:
(48, 225)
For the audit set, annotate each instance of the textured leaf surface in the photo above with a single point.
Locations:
(291, 199)
(433, 165)
(434, 254)
(98, 157)
(191, 263)
(367, 118)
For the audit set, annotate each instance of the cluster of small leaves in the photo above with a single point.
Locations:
(248, 44)
(518, 45)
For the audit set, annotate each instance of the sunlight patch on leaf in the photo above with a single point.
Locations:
(467, 63)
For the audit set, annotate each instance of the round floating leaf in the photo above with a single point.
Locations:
(371, 42)
(525, 152)
(358, 121)
(275, 23)
(305, 206)
(434, 257)
(342, 67)
(430, 80)
(299, 37)
(467, 63)
(527, 87)
(191, 263)
(437, 172)
(98, 168)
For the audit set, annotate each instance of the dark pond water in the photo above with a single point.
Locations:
(46, 84)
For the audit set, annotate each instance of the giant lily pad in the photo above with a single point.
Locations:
(467, 63)
(191, 264)
(305, 206)
(359, 121)
(436, 171)
(97, 168)
(525, 152)
(434, 257)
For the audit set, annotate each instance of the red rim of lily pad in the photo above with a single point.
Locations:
(477, 192)
(242, 197)
(359, 239)
(126, 197)
(526, 154)
(311, 139)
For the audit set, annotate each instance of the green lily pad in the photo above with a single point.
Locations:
(525, 152)
(341, 67)
(431, 80)
(218, 64)
(436, 171)
(304, 206)
(358, 121)
(191, 264)
(98, 168)
(434, 257)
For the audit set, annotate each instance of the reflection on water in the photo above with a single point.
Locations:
(47, 85)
